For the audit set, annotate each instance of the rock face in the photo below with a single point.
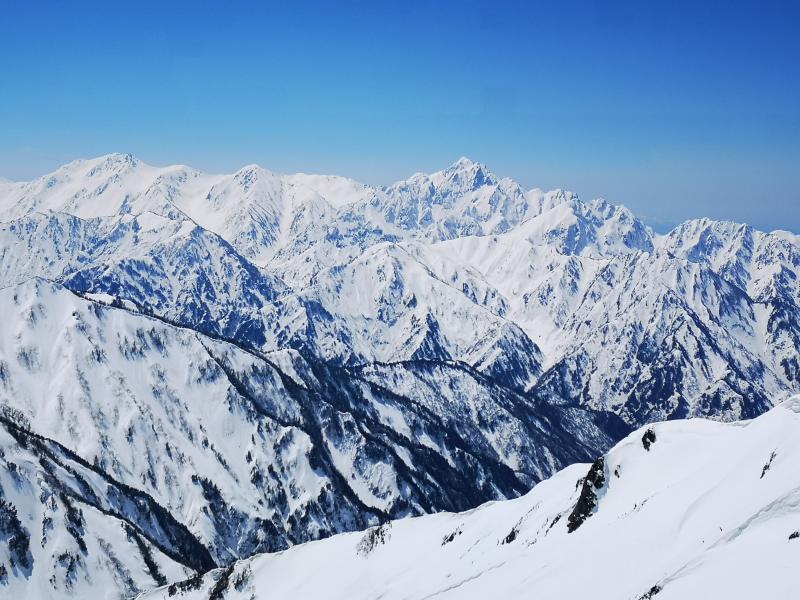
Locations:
(664, 527)
(587, 502)
(272, 359)
(648, 439)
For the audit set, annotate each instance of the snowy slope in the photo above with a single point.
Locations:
(765, 266)
(275, 358)
(576, 300)
(691, 509)
(248, 452)
(69, 530)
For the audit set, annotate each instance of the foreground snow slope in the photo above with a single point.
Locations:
(681, 509)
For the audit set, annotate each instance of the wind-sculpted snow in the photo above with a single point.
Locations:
(692, 509)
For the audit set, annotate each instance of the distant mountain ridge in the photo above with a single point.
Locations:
(459, 264)
(270, 359)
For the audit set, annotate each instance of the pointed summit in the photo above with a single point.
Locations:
(467, 165)
(463, 175)
(251, 175)
(463, 163)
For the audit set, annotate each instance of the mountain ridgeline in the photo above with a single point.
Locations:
(196, 368)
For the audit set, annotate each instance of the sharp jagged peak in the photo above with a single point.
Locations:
(116, 163)
(244, 186)
(463, 175)
(465, 163)
(465, 172)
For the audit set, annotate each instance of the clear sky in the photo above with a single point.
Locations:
(675, 109)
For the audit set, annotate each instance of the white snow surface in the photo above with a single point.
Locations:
(709, 510)
(276, 358)
(245, 452)
(456, 265)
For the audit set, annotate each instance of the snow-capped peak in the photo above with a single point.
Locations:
(462, 176)
(431, 345)
(250, 174)
(115, 162)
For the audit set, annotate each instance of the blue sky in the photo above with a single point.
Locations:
(674, 109)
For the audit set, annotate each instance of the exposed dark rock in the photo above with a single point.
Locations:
(242, 579)
(651, 592)
(512, 535)
(217, 592)
(147, 555)
(137, 509)
(16, 537)
(555, 520)
(768, 465)
(451, 536)
(587, 501)
(187, 585)
(648, 439)
(373, 538)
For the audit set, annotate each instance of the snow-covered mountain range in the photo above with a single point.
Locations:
(676, 510)
(195, 368)
(458, 265)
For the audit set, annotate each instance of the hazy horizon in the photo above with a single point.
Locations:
(659, 225)
(677, 111)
